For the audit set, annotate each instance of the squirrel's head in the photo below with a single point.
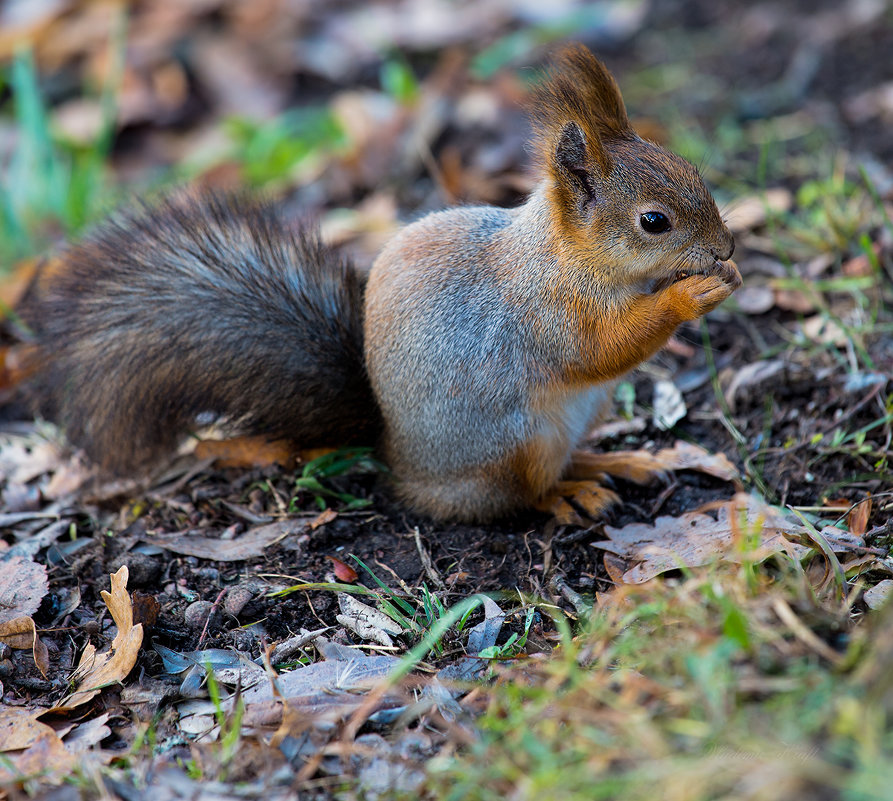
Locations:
(618, 201)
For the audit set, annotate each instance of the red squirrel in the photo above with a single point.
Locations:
(483, 347)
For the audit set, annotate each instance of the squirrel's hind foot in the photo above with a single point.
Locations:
(567, 497)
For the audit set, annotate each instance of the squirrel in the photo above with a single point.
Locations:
(481, 349)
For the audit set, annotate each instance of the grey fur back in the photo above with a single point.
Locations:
(201, 303)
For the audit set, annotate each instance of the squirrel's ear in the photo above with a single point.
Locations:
(578, 161)
(579, 90)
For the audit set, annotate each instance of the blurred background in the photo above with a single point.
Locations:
(364, 114)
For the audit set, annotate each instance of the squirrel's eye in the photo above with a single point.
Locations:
(654, 222)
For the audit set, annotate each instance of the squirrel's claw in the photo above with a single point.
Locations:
(588, 496)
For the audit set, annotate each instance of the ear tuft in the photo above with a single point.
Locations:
(578, 88)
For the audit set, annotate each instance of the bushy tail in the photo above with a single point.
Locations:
(200, 305)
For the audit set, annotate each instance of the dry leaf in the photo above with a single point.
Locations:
(19, 727)
(249, 545)
(687, 456)
(343, 572)
(326, 516)
(69, 477)
(752, 211)
(857, 519)
(46, 757)
(825, 331)
(96, 670)
(21, 633)
(367, 622)
(750, 375)
(24, 458)
(615, 568)
(669, 406)
(794, 300)
(23, 584)
(755, 299)
(860, 266)
(695, 539)
(875, 597)
(146, 608)
(247, 452)
(87, 734)
(322, 689)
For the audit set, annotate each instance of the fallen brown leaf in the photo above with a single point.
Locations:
(98, 670)
(695, 539)
(249, 545)
(46, 757)
(857, 519)
(88, 734)
(69, 476)
(20, 728)
(326, 516)
(825, 331)
(247, 452)
(145, 608)
(343, 572)
(23, 584)
(752, 211)
(24, 458)
(687, 456)
(21, 633)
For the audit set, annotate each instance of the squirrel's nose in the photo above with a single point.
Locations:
(729, 250)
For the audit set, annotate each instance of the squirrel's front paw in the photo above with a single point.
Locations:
(694, 296)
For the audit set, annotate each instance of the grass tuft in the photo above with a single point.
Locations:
(698, 689)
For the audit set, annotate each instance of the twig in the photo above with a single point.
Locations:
(427, 564)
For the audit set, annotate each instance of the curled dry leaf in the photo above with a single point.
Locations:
(88, 734)
(326, 516)
(97, 670)
(687, 456)
(695, 539)
(857, 519)
(343, 572)
(21, 633)
(366, 622)
(669, 406)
